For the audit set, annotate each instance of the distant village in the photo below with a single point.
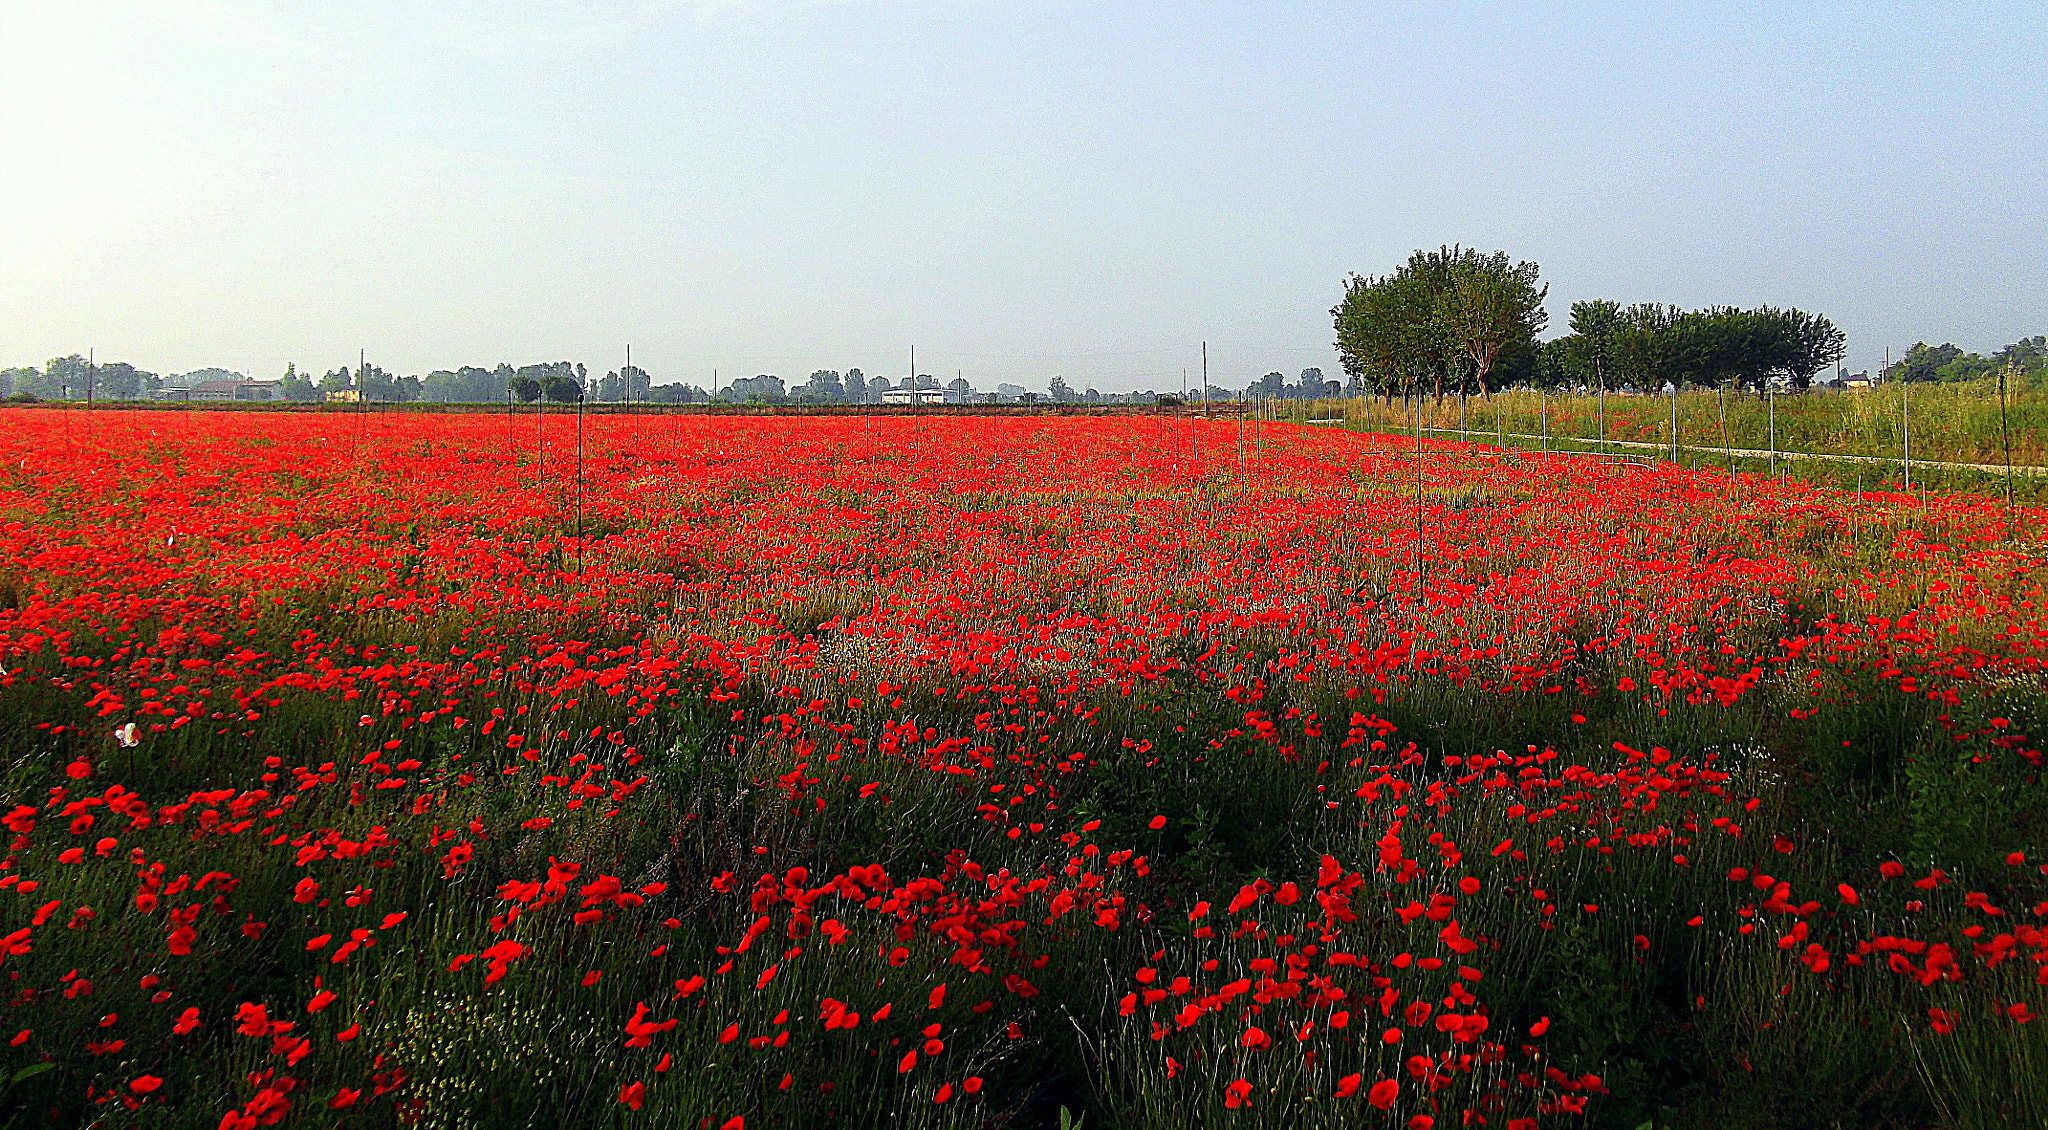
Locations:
(563, 382)
(79, 378)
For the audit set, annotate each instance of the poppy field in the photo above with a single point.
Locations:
(1002, 772)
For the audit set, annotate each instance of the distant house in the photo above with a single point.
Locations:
(345, 396)
(243, 390)
(1842, 378)
(913, 396)
(187, 386)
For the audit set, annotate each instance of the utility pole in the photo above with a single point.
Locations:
(1721, 398)
(1205, 378)
(1674, 422)
(579, 479)
(1418, 500)
(628, 374)
(362, 380)
(1772, 395)
(1600, 375)
(92, 368)
(1906, 432)
(1240, 446)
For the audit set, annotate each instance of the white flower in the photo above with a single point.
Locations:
(129, 736)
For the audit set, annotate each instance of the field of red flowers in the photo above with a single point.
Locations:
(964, 772)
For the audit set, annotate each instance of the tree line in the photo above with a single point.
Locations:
(1647, 346)
(1946, 362)
(1445, 322)
(1456, 320)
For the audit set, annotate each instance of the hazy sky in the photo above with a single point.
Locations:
(1017, 188)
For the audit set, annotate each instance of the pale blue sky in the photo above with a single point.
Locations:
(1017, 188)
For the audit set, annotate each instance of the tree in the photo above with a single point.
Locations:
(1371, 327)
(561, 389)
(1314, 387)
(2024, 353)
(374, 384)
(1492, 310)
(823, 388)
(1814, 344)
(856, 385)
(526, 389)
(333, 382)
(1923, 362)
(119, 380)
(765, 388)
(1059, 392)
(1643, 348)
(1441, 321)
(1595, 326)
(295, 386)
(63, 378)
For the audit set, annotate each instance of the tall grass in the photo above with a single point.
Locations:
(1950, 422)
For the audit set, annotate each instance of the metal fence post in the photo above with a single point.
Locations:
(1674, 423)
(1772, 396)
(1906, 433)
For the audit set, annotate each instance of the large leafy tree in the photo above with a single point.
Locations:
(1445, 320)
(1645, 350)
(1812, 344)
(1491, 310)
(1387, 333)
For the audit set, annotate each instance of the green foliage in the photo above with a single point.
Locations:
(1948, 363)
(1443, 321)
(1647, 345)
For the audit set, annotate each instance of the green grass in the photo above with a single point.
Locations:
(1950, 422)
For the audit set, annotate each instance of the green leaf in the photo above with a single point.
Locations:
(30, 1072)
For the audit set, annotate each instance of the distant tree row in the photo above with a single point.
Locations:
(559, 382)
(68, 378)
(1311, 385)
(1648, 345)
(1947, 362)
(1455, 320)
